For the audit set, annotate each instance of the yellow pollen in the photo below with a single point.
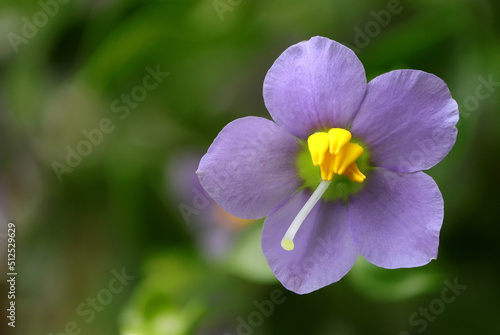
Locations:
(335, 154)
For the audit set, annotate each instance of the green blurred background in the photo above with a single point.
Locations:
(124, 244)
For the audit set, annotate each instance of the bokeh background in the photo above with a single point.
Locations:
(125, 242)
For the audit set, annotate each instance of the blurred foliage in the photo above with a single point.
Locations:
(114, 209)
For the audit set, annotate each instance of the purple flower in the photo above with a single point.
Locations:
(338, 172)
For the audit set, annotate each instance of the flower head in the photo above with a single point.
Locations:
(338, 172)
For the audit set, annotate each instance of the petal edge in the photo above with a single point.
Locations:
(324, 250)
(396, 219)
(314, 85)
(407, 119)
(250, 167)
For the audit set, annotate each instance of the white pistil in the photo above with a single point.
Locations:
(287, 241)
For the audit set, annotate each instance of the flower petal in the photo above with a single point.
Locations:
(250, 167)
(408, 120)
(395, 220)
(324, 250)
(314, 85)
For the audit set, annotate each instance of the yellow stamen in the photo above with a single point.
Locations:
(354, 174)
(348, 155)
(318, 145)
(338, 138)
(335, 154)
(327, 166)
